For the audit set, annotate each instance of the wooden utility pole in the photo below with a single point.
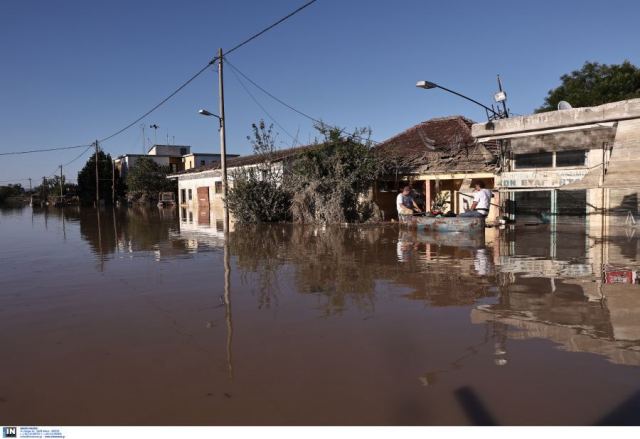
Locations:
(113, 182)
(29, 184)
(223, 141)
(97, 179)
(61, 194)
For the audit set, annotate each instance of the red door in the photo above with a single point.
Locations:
(203, 196)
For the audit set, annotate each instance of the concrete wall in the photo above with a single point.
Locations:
(174, 150)
(125, 163)
(201, 180)
(614, 111)
(192, 161)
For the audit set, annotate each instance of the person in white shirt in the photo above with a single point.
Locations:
(406, 205)
(481, 201)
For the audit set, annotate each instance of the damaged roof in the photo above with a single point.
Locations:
(439, 145)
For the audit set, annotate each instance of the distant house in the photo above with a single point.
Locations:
(176, 157)
(440, 159)
(202, 187)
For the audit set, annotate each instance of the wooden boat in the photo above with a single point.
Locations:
(448, 224)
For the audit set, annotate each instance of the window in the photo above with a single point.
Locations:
(570, 158)
(218, 187)
(535, 160)
(190, 195)
(183, 151)
(201, 162)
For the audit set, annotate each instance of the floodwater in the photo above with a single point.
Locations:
(144, 317)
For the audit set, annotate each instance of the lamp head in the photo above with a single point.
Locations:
(426, 84)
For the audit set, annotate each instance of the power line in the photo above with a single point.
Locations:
(233, 49)
(176, 91)
(43, 150)
(261, 107)
(317, 121)
(268, 28)
(77, 157)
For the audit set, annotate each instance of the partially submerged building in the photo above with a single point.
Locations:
(441, 160)
(578, 164)
(201, 188)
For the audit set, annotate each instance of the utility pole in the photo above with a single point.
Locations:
(223, 142)
(29, 184)
(97, 179)
(113, 182)
(61, 195)
(144, 140)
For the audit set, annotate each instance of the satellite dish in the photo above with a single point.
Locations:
(564, 105)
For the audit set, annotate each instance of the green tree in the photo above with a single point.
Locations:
(257, 194)
(11, 190)
(146, 179)
(595, 84)
(87, 180)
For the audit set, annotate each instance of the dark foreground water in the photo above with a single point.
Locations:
(128, 318)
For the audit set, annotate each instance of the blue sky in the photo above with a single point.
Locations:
(76, 70)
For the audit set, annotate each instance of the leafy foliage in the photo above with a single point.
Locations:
(11, 190)
(595, 84)
(329, 182)
(87, 179)
(257, 194)
(147, 179)
(325, 184)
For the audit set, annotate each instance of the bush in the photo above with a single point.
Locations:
(329, 183)
(257, 194)
(256, 200)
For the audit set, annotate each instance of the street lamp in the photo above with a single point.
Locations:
(204, 112)
(491, 113)
(223, 159)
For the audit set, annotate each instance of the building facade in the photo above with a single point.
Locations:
(201, 187)
(576, 165)
(175, 157)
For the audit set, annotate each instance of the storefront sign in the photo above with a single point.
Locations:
(541, 178)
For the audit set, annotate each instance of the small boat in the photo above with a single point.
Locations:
(458, 240)
(448, 224)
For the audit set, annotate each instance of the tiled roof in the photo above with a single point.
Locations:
(439, 145)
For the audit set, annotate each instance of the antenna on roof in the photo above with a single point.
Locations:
(501, 96)
(564, 105)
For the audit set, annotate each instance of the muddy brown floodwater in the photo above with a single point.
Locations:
(128, 318)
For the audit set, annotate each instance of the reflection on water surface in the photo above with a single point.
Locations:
(130, 317)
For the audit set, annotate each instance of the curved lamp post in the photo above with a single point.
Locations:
(491, 113)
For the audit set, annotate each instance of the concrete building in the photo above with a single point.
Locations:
(577, 165)
(201, 188)
(441, 160)
(201, 160)
(176, 157)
